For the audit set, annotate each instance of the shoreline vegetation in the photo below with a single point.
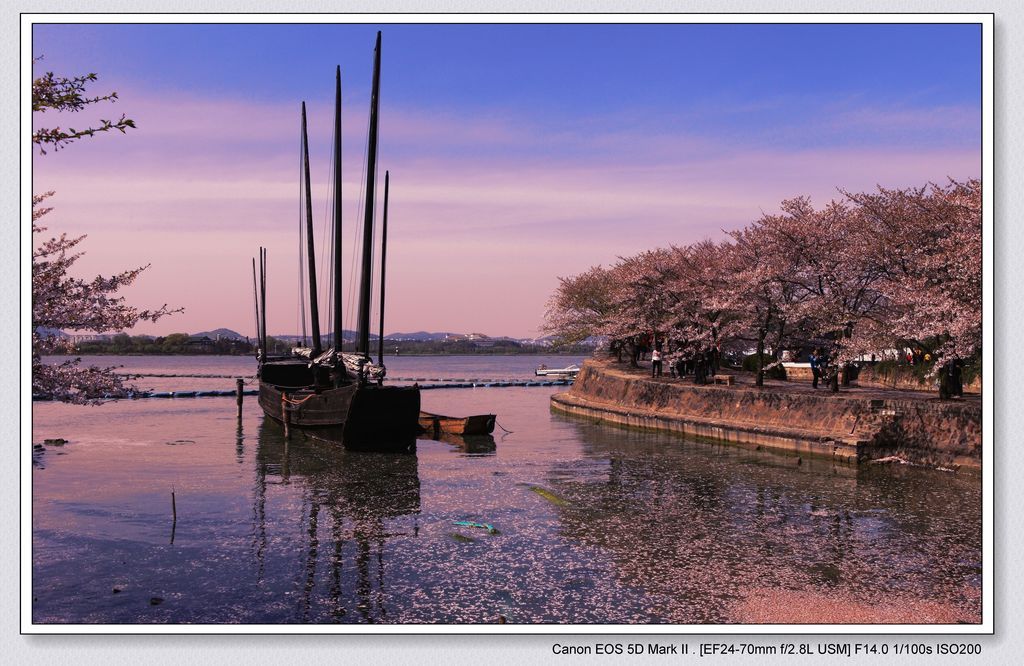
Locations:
(179, 344)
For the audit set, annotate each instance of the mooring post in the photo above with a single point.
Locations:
(238, 396)
(174, 516)
(284, 414)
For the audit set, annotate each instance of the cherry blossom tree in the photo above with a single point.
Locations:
(61, 301)
(701, 316)
(643, 300)
(582, 306)
(929, 241)
(855, 277)
(767, 288)
(62, 94)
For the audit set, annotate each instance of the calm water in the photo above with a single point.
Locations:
(594, 524)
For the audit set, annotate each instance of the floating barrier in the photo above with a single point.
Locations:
(436, 384)
(146, 374)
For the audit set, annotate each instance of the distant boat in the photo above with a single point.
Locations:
(569, 372)
(324, 393)
(436, 424)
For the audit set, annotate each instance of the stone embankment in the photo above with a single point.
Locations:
(855, 425)
(901, 378)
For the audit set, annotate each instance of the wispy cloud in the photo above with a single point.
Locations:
(501, 204)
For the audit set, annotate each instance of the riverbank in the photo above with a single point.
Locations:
(857, 425)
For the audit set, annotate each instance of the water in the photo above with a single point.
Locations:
(594, 524)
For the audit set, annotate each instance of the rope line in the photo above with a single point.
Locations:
(296, 403)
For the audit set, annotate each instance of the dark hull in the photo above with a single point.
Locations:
(383, 418)
(370, 418)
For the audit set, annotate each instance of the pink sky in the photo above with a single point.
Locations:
(485, 213)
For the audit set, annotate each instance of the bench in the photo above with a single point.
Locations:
(724, 379)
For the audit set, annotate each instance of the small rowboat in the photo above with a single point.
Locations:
(435, 424)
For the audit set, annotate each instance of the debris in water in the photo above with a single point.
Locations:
(549, 496)
(462, 538)
(59, 441)
(890, 459)
(483, 526)
(155, 601)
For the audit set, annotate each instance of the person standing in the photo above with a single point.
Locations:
(656, 362)
(815, 367)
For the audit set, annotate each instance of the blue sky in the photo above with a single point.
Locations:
(532, 140)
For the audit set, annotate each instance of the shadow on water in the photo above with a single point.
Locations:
(347, 500)
(470, 445)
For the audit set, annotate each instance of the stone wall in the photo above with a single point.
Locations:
(840, 425)
(903, 378)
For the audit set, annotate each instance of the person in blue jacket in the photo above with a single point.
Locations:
(815, 366)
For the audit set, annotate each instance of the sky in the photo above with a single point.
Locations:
(518, 154)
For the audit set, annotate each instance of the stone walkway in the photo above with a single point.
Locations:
(745, 380)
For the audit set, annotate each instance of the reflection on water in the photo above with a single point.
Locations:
(350, 495)
(592, 524)
(714, 524)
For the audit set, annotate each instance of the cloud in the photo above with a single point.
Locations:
(480, 206)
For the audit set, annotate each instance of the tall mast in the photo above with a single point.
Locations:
(383, 264)
(337, 213)
(363, 330)
(314, 312)
(263, 300)
(256, 299)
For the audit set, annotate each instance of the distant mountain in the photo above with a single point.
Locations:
(47, 332)
(423, 335)
(220, 333)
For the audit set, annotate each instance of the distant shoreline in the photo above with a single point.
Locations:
(386, 356)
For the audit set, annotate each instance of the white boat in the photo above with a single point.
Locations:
(570, 371)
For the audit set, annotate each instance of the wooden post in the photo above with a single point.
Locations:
(284, 414)
(174, 516)
(238, 396)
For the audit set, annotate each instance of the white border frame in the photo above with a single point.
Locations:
(987, 178)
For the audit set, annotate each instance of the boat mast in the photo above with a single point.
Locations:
(263, 301)
(337, 216)
(256, 300)
(363, 331)
(314, 312)
(383, 259)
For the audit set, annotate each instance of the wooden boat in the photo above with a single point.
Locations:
(325, 393)
(435, 424)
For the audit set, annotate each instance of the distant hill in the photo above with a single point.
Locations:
(423, 336)
(48, 332)
(221, 333)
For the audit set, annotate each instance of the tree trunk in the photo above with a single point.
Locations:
(944, 383)
(760, 357)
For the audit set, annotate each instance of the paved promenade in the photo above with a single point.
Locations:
(745, 380)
